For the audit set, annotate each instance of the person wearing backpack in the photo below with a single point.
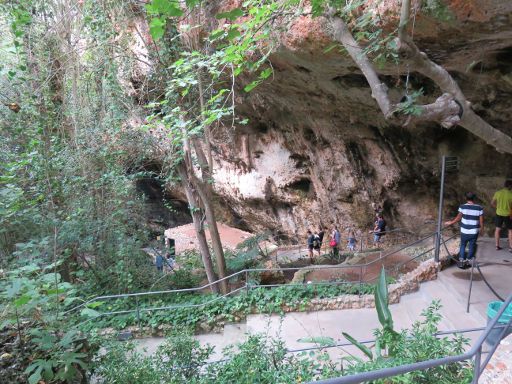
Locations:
(317, 243)
(335, 241)
(310, 242)
(379, 229)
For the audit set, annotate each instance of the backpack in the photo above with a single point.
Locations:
(316, 241)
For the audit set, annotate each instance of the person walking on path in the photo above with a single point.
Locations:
(335, 241)
(310, 245)
(471, 217)
(502, 201)
(169, 262)
(159, 262)
(321, 235)
(351, 245)
(379, 229)
(316, 243)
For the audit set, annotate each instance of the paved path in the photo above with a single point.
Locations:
(450, 288)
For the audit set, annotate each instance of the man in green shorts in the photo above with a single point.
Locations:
(502, 201)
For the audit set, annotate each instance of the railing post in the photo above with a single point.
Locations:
(138, 310)
(476, 371)
(361, 280)
(246, 281)
(440, 211)
(470, 284)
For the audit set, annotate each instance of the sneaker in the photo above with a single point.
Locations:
(498, 248)
(461, 264)
(471, 262)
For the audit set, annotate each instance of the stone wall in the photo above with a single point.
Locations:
(499, 369)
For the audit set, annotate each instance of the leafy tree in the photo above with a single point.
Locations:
(63, 173)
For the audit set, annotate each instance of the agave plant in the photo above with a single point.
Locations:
(387, 339)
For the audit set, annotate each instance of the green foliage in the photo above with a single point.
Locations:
(31, 298)
(183, 278)
(177, 360)
(248, 254)
(201, 88)
(32, 291)
(160, 10)
(438, 9)
(418, 344)
(409, 105)
(265, 360)
(180, 359)
(61, 359)
(191, 310)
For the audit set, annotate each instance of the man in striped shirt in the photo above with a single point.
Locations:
(471, 217)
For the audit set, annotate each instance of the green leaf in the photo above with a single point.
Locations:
(68, 339)
(88, 312)
(192, 3)
(216, 34)
(249, 87)
(323, 341)
(157, 28)
(166, 8)
(55, 291)
(265, 73)
(381, 302)
(231, 15)
(95, 304)
(331, 47)
(363, 348)
(22, 301)
(40, 368)
(14, 289)
(233, 33)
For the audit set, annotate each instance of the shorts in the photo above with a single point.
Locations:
(500, 220)
(310, 247)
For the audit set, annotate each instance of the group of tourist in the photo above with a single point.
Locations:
(471, 217)
(315, 239)
(166, 262)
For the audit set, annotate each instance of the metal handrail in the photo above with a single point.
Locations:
(363, 238)
(475, 351)
(245, 272)
(242, 272)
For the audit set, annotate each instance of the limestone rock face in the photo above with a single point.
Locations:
(317, 149)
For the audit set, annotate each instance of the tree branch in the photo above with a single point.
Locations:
(446, 110)
(420, 62)
(344, 36)
(404, 19)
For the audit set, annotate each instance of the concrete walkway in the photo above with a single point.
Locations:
(450, 288)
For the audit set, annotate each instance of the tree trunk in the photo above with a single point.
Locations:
(195, 211)
(204, 189)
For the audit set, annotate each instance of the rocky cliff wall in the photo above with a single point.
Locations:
(317, 149)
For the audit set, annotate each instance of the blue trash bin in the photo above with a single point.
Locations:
(492, 310)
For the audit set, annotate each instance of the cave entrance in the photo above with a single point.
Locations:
(162, 210)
